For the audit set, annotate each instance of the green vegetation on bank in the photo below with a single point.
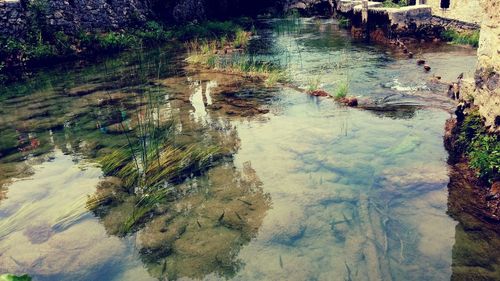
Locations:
(463, 38)
(394, 4)
(12, 277)
(481, 148)
(42, 45)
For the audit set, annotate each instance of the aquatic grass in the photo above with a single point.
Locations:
(241, 39)
(65, 216)
(275, 77)
(72, 214)
(313, 83)
(206, 54)
(342, 90)
(463, 38)
(151, 162)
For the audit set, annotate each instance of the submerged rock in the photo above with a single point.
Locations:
(349, 101)
(82, 248)
(319, 93)
(284, 226)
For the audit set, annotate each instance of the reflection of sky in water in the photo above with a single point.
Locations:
(201, 98)
(318, 168)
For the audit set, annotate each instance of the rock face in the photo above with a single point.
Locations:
(73, 16)
(12, 18)
(485, 90)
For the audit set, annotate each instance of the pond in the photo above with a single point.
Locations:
(143, 168)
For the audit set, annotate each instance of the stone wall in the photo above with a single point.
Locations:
(73, 16)
(463, 10)
(485, 89)
(12, 17)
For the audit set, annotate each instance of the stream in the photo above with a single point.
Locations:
(302, 188)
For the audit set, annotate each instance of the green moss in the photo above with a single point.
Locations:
(481, 148)
(463, 38)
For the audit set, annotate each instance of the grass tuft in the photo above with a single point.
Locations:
(342, 90)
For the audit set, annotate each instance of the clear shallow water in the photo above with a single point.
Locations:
(306, 189)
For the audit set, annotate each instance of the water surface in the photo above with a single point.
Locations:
(300, 188)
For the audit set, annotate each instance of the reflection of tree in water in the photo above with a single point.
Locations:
(477, 240)
(199, 230)
(191, 213)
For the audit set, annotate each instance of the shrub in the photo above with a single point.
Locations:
(62, 43)
(153, 33)
(392, 4)
(207, 30)
(464, 38)
(41, 52)
(482, 149)
(484, 156)
(113, 41)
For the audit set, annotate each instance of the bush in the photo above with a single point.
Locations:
(392, 4)
(463, 38)
(153, 33)
(41, 52)
(207, 30)
(114, 41)
(62, 43)
(484, 156)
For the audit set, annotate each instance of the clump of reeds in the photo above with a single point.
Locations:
(241, 39)
(313, 84)
(216, 55)
(342, 90)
